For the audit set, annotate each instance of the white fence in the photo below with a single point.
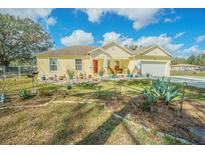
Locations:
(17, 71)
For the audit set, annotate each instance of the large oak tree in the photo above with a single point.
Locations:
(21, 39)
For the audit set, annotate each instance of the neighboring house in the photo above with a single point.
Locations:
(187, 67)
(111, 57)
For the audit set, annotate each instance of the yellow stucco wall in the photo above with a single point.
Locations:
(42, 66)
(113, 53)
(63, 66)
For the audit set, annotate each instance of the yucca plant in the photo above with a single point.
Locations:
(150, 96)
(171, 93)
(161, 90)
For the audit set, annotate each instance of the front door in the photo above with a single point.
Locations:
(95, 66)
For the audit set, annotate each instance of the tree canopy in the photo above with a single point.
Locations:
(193, 59)
(21, 39)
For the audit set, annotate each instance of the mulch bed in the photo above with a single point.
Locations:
(166, 118)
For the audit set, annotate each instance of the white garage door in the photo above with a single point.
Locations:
(153, 68)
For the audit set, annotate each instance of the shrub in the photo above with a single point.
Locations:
(160, 90)
(24, 94)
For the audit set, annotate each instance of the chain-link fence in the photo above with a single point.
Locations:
(16, 71)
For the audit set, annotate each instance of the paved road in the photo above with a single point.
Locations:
(192, 81)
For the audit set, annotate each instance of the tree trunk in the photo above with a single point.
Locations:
(5, 64)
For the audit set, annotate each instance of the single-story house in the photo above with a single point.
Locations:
(110, 58)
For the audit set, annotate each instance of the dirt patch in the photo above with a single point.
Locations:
(166, 119)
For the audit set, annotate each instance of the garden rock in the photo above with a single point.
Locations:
(198, 133)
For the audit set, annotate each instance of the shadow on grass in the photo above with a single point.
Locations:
(104, 131)
(73, 125)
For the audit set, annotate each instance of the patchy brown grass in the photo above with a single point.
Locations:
(91, 123)
(71, 124)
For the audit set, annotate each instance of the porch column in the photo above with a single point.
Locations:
(105, 67)
(91, 65)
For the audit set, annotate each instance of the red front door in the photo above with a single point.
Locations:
(95, 66)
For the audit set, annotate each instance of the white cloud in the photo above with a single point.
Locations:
(94, 15)
(78, 37)
(179, 34)
(116, 37)
(140, 17)
(169, 19)
(51, 21)
(28, 13)
(200, 38)
(162, 40)
(193, 50)
(32, 13)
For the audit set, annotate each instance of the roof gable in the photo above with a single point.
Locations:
(153, 51)
(114, 51)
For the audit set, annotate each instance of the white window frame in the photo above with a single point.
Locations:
(79, 65)
(53, 71)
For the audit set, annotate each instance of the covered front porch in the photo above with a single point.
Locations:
(110, 59)
(105, 67)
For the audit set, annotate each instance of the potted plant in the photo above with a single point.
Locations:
(81, 75)
(148, 75)
(51, 78)
(128, 73)
(110, 72)
(43, 78)
(70, 73)
(3, 98)
(89, 76)
(61, 77)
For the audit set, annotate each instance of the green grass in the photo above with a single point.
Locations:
(188, 73)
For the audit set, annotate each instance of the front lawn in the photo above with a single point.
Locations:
(71, 124)
(92, 121)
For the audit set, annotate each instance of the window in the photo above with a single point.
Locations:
(53, 65)
(78, 65)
